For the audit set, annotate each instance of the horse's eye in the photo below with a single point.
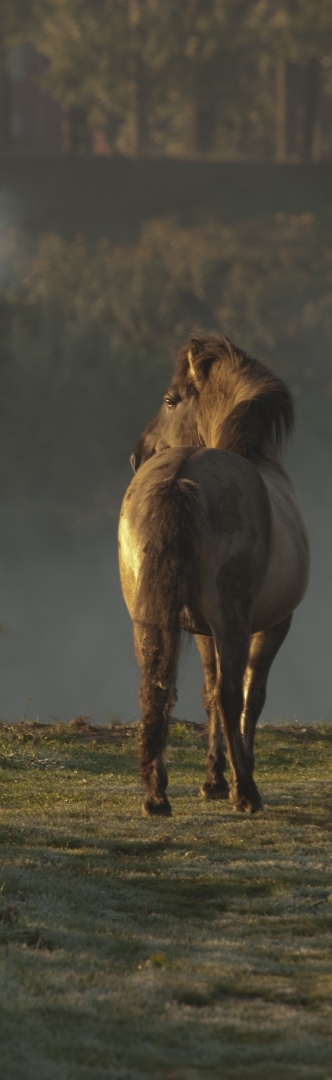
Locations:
(169, 401)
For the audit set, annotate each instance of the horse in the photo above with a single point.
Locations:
(212, 541)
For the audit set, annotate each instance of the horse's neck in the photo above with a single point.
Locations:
(279, 485)
(271, 466)
(272, 470)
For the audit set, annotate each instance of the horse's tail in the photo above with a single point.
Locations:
(170, 570)
(167, 583)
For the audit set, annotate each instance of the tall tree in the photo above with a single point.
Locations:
(299, 34)
(218, 67)
(103, 58)
(130, 58)
(145, 49)
(17, 18)
(203, 66)
(85, 44)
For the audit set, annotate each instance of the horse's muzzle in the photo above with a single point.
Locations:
(137, 459)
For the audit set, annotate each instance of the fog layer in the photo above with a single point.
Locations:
(66, 637)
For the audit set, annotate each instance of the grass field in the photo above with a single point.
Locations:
(131, 949)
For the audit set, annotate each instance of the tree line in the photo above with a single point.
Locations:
(90, 332)
(236, 78)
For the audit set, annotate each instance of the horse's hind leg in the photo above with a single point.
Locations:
(157, 652)
(215, 785)
(232, 648)
(263, 649)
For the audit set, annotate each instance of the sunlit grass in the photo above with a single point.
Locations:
(197, 948)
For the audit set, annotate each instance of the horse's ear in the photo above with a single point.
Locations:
(196, 346)
(196, 367)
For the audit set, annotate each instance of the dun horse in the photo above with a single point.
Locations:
(212, 541)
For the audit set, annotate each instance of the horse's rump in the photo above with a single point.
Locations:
(196, 516)
(168, 581)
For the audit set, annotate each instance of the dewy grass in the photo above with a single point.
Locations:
(131, 951)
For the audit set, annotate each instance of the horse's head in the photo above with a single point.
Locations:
(183, 419)
(175, 423)
(219, 396)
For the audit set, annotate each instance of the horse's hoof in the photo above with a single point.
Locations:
(219, 790)
(254, 806)
(247, 804)
(151, 808)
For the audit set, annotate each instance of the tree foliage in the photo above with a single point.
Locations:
(194, 76)
(297, 28)
(88, 332)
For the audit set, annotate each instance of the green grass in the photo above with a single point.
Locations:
(134, 949)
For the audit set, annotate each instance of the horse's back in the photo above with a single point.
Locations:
(235, 534)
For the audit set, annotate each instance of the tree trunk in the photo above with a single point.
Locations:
(200, 129)
(141, 101)
(4, 110)
(310, 106)
(191, 129)
(281, 109)
(297, 93)
(80, 137)
(294, 108)
(75, 132)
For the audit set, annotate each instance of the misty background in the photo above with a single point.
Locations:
(163, 168)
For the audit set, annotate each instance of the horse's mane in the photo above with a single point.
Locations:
(254, 405)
